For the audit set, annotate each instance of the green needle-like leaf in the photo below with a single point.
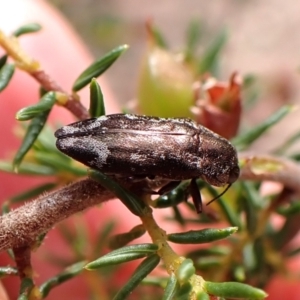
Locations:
(102, 236)
(234, 290)
(68, 274)
(185, 271)
(135, 205)
(6, 73)
(60, 163)
(27, 169)
(122, 255)
(287, 144)
(44, 105)
(208, 263)
(201, 236)
(232, 217)
(33, 130)
(97, 107)
(183, 292)
(193, 38)
(158, 37)
(140, 273)
(8, 271)
(210, 57)
(98, 67)
(28, 28)
(3, 60)
(203, 296)
(245, 139)
(120, 240)
(171, 288)
(27, 285)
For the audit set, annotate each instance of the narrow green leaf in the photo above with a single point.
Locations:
(68, 234)
(82, 232)
(293, 252)
(160, 282)
(8, 271)
(211, 54)
(249, 256)
(97, 107)
(231, 216)
(239, 273)
(287, 231)
(6, 73)
(27, 169)
(245, 139)
(120, 240)
(178, 216)
(158, 37)
(28, 28)
(211, 251)
(33, 130)
(135, 205)
(113, 260)
(98, 67)
(251, 91)
(60, 163)
(146, 267)
(46, 142)
(208, 263)
(102, 238)
(203, 296)
(27, 285)
(287, 144)
(234, 290)
(42, 91)
(201, 236)
(67, 274)
(32, 193)
(193, 38)
(124, 254)
(3, 60)
(248, 203)
(185, 271)
(171, 288)
(44, 105)
(251, 191)
(183, 292)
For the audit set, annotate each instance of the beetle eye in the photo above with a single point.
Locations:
(234, 174)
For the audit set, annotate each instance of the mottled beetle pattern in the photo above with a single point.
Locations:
(132, 145)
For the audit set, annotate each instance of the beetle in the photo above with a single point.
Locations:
(131, 145)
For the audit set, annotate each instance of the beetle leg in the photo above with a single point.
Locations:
(168, 187)
(196, 195)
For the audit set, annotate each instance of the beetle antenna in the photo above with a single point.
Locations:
(228, 186)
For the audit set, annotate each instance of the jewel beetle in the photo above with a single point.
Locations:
(130, 145)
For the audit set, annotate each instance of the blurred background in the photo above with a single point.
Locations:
(263, 36)
(262, 39)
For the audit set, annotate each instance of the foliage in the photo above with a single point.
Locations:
(237, 236)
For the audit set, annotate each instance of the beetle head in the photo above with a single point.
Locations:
(220, 163)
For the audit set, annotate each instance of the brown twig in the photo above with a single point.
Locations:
(72, 104)
(22, 226)
(262, 167)
(23, 261)
(12, 47)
